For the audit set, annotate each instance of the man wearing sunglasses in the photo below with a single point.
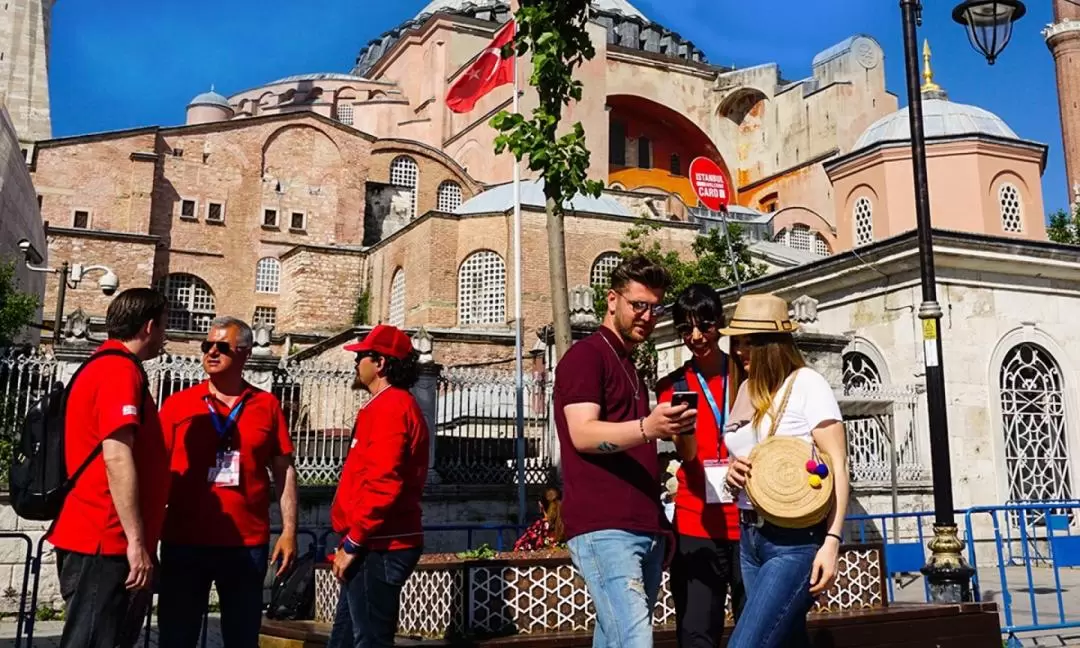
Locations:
(615, 525)
(376, 509)
(229, 438)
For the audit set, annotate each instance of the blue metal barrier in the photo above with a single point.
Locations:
(1063, 550)
(24, 618)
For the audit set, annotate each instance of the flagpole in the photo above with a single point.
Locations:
(519, 350)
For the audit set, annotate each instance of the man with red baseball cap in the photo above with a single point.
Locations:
(376, 508)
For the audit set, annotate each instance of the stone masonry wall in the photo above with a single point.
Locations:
(19, 217)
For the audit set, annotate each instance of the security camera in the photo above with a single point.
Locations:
(109, 283)
(29, 252)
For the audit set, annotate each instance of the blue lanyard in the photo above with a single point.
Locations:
(718, 416)
(222, 426)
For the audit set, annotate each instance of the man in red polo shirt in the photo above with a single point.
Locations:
(229, 437)
(376, 509)
(107, 533)
(615, 525)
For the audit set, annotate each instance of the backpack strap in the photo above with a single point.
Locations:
(70, 483)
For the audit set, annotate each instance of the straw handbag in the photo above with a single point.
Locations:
(791, 481)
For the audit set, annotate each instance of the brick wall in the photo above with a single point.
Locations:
(322, 285)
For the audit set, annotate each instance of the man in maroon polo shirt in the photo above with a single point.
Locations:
(614, 521)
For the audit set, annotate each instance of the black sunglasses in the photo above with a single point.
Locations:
(222, 347)
(360, 355)
(687, 328)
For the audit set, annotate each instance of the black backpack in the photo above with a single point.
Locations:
(38, 479)
(292, 597)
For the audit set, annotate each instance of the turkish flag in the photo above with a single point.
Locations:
(489, 71)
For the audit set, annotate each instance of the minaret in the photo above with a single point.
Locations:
(24, 66)
(1063, 39)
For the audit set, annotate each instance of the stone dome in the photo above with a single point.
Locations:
(941, 118)
(210, 99)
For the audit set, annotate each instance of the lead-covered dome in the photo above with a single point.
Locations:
(941, 118)
(454, 6)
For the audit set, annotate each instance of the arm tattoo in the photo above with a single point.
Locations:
(605, 446)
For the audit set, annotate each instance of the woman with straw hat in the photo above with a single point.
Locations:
(790, 475)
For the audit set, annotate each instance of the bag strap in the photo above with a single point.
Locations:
(783, 404)
(70, 482)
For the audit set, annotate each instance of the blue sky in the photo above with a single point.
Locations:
(138, 63)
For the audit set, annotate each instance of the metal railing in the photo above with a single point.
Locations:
(476, 427)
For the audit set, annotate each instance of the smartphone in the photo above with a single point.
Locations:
(688, 397)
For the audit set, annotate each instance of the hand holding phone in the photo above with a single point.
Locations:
(690, 398)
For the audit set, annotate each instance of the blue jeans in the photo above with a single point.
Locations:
(776, 565)
(369, 601)
(186, 574)
(622, 571)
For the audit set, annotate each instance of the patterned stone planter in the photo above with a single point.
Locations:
(517, 593)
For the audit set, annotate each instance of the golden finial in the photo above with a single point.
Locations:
(928, 74)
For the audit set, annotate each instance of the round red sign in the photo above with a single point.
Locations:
(710, 184)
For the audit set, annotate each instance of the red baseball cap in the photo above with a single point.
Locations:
(385, 340)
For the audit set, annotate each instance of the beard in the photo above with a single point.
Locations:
(627, 330)
(358, 384)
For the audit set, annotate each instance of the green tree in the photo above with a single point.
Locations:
(17, 308)
(555, 33)
(1063, 227)
(711, 263)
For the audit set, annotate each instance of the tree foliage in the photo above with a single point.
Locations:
(1063, 227)
(554, 31)
(711, 263)
(17, 308)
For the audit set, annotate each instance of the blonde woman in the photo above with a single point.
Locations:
(783, 569)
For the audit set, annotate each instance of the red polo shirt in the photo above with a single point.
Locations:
(620, 490)
(693, 517)
(108, 396)
(377, 503)
(201, 513)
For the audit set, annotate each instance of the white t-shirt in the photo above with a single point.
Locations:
(811, 402)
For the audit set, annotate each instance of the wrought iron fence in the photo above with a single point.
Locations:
(476, 430)
(25, 375)
(882, 434)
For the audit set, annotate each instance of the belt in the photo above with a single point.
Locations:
(750, 517)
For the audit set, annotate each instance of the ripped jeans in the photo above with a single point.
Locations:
(622, 571)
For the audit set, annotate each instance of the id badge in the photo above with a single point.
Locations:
(716, 491)
(227, 470)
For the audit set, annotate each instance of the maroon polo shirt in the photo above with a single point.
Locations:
(620, 490)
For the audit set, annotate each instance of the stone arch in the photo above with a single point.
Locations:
(325, 152)
(866, 347)
(738, 105)
(1035, 338)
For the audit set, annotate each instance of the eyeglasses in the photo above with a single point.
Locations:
(687, 329)
(640, 307)
(222, 347)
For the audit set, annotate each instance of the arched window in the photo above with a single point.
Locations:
(864, 221)
(449, 196)
(1012, 210)
(268, 275)
(821, 246)
(397, 299)
(191, 303)
(482, 289)
(868, 439)
(601, 269)
(405, 174)
(1032, 393)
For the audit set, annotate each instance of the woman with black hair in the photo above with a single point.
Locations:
(706, 561)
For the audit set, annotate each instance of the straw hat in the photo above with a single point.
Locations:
(780, 485)
(760, 314)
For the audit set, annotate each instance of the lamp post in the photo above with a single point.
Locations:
(989, 27)
(70, 276)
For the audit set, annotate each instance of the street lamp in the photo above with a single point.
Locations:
(989, 24)
(70, 276)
